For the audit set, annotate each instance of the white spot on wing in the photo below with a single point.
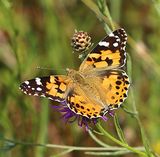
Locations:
(124, 48)
(104, 43)
(124, 42)
(115, 44)
(118, 40)
(26, 82)
(38, 81)
(33, 88)
(39, 89)
(111, 35)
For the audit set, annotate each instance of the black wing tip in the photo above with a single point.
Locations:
(23, 88)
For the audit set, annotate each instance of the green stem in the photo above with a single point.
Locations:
(107, 14)
(111, 148)
(118, 129)
(97, 140)
(119, 142)
(42, 134)
(63, 153)
(97, 10)
(117, 153)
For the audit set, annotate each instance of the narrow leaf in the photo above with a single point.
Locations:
(118, 129)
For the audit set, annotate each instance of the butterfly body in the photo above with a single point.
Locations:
(98, 86)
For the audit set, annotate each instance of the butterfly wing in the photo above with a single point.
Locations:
(115, 85)
(52, 87)
(81, 104)
(108, 54)
(100, 94)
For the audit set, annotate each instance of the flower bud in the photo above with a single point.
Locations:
(80, 41)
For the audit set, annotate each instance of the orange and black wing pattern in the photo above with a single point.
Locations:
(108, 54)
(115, 84)
(81, 104)
(52, 87)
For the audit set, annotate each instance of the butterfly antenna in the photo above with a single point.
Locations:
(50, 69)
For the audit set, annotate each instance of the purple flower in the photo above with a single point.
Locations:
(69, 116)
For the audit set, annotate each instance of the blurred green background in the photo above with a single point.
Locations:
(37, 33)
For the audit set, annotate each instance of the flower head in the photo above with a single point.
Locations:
(80, 41)
(69, 116)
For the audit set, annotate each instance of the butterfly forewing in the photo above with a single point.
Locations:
(52, 87)
(108, 54)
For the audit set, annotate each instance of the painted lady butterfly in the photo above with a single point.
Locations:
(98, 86)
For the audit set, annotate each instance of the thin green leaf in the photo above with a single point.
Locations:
(97, 140)
(118, 129)
(128, 111)
(145, 140)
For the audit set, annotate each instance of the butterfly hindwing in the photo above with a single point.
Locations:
(106, 91)
(108, 54)
(52, 87)
(82, 104)
(115, 84)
